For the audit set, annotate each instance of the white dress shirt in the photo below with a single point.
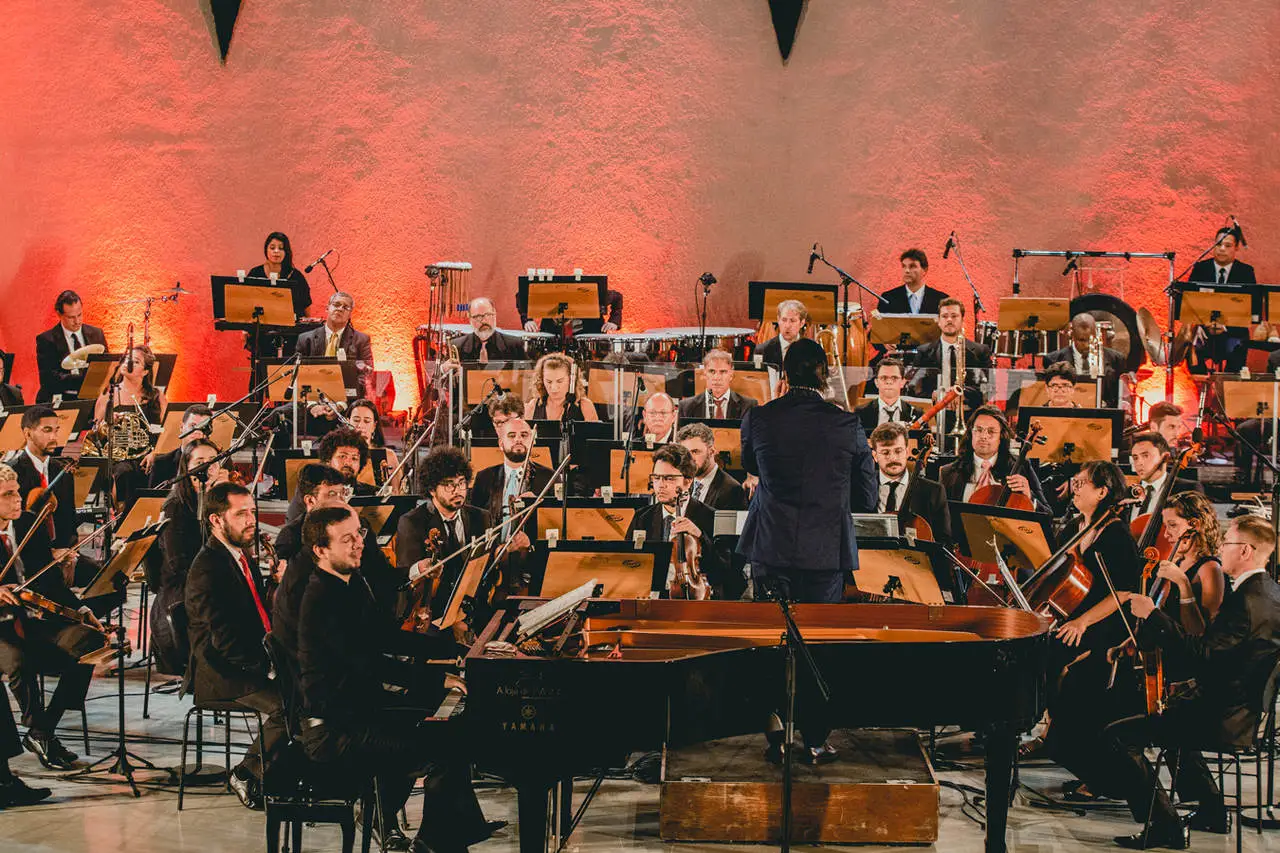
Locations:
(1221, 272)
(711, 402)
(41, 467)
(1237, 581)
(1155, 487)
(884, 490)
(895, 409)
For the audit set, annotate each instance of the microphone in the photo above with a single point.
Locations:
(1235, 225)
(1073, 262)
(317, 261)
(951, 244)
(707, 279)
(813, 256)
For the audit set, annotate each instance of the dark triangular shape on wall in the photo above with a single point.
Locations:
(224, 22)
(786, 22)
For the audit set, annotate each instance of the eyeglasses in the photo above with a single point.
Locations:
(454, 485)
(1244, 544)
(666, 478)
(986, 430)
(485, 314)
(353, 538)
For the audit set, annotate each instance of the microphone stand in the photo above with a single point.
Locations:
(324, 263)
(629, 447)
(1204, 254)
(978, 308)
(1241, 441)
(845, 281)
(706, 280)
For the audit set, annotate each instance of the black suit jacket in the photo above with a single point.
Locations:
(51, 349)
(357, 344)
(929, 357)
(953, 481)
(64, 517)
(815, 467)
(180, 542)
(411, 535)
(1206, 272)
(869, 414)
(929, 501)
(1233, 659)
(37, 554)
(771, 351)
(502, 347)
(486, 492)
(225, 630)
(649, 519)
(725, 493)
(896, 301)
(1112, 367)
(696, 406)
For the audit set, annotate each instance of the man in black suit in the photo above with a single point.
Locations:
(675, 512)
(937, 363)
(1147, 453)
(227, 614)
(913, 296)
(485, 343)
(1223, 268)
(984, 459)
(711, 484)
(1233, 660)
(890, 407)
(1215, 342)
(793, 316)
(719, 400)
(164, 467)
(346, 450)
(52, 646)
(927, 500)
(52, 346)
(814, 468)
(1076, 353)
(336, 334)
(497, 491)
(350, 721)
(439, 526)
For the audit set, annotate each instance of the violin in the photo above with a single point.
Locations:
(418, 619)
(42, 499)
(689, 582)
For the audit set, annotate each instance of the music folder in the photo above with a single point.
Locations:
(1074, 435)
(125, 561)
(336, 378)
(589, 518)
(624, 570)
(567, 296)
(382, 514)
(255, 299)
(899, 569)
(1025, 538)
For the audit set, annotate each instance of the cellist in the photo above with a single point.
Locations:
(985, 459)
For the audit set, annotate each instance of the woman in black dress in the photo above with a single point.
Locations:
(138, 402)
(553, 380)
(279, 255)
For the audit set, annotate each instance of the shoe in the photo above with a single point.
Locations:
(247, 791)
(485, 831)
(824, 754)
(1078, 792)
(15, 792)
(51, 756)
(395, 839)
(1210, 820)
(1171, 838)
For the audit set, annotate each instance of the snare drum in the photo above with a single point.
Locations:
(681, 343)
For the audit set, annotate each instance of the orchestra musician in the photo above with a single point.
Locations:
(164, 466)
(484, 342)
(69, 334)
(675, 512)
(984, 458)
(712, 485)
(793, 316)
(335, 338)
(1060, 386)
(913, 296)
(1149, 456)
(363, 416)
(13, 790)
(554, 400)
(659, 418)
(1084, 328)
(346, 450)
(227, 619)
(890, 406)
(497, 487)
(1166, 418)
(440, 525)
(350, 721)
(1232, 660)
(610, 318)
(939, 365)
(927, 500)
(180, 541)
(32, 646)
(135, 394)
(279, 261)
(1223, 268)
(719, 400)
(814, 468)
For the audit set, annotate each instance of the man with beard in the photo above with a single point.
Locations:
(497, 490)
(346, 450)
(485, 343)
(928, 500)
(711, 485)
(349, 720)
(227, 613)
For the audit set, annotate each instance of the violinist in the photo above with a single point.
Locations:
(985, 459)
(346, 450)
(517, 477)
(180, 541)
(556, 400)
(32, 646)
(674, 512)
(440, 525)
(908, 493)
(364, 419)
(1149, 456)
(1232, 661)
(37, 468)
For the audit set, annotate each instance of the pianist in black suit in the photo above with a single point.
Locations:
(890, 406)
(793, 317)
(719, 400)
(53, 345)
(346, 450)
(926, 498)
(279, 255)
(349, 720)
(913, 296)
(484, 342)
(675, 512)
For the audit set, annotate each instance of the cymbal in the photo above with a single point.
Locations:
(77, 359)
(1152, 340)
(1182, 344)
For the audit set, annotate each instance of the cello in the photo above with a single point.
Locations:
(1148, 528)
(918, 522)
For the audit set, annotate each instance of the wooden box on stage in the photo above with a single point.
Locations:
(882, 791)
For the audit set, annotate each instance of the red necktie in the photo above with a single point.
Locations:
(253, 588)
(719, 409)
(44, 479)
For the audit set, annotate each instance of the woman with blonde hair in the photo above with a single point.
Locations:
(561, 394)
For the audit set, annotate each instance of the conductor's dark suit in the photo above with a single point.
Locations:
(51, 349)
(815, 467)
(897, 301)
(499, 347)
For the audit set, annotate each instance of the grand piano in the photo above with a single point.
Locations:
(645, 673)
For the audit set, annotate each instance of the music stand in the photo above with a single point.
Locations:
(624, 570)
(1248, 398)
(819, 300)
(124, 562)
(1034, 393)
(604, 458)
(563, 297)
(382, 514)
(1201, 307)
(255, 301)
(143, 512)
(904, 330)
(900, 571)
(478, 378)
(286, 465)
(748, 380)
(602, 379)
(1025, 538)
(589, 518)
(466, 586)
(1074, 435)
(73, 418)
(728, 435)
(336, 378)
(485, 453)
(1032, 314)
(91, 471)
(223, 429)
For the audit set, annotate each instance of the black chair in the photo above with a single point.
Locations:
(1263, 742)
(221, 711)
(297, 791)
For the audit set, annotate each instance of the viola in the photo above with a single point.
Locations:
(41, 498)
(418, 619)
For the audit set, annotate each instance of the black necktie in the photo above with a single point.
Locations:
(666, 527)
(888, 414)
(1146, 500)
(1222, 275)
(891, 503)
(75, 341)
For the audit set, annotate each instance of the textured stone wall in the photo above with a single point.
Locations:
(647, 140)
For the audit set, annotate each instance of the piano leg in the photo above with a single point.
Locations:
(532, 805)
(566, 808)
(1002, 746)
